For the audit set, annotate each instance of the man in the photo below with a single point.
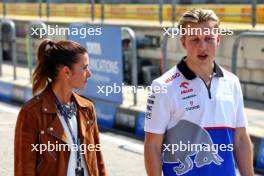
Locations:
(197, 127)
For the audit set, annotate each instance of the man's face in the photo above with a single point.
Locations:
(201, 47)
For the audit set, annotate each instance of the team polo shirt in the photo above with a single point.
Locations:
(198, 121)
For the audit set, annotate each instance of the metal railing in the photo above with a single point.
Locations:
(8, 35)
(236, 46)
(29, 48)
(134, 70)
(235, 49)
(164, 46)
(158, 14)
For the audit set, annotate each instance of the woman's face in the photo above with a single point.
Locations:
(80, 72)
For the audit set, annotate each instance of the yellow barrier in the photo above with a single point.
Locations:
(131, 11)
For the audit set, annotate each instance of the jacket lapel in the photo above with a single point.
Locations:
(55, 128)
(85, 117)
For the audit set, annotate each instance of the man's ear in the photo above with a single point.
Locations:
(183, 42)
(218, 40)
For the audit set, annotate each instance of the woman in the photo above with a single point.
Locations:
(56, 131)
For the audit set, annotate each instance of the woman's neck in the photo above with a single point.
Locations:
(62, 92)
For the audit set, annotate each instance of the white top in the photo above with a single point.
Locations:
(73, 154)
(189, 99)
(188, 112)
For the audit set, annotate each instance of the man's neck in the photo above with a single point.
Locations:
(204, 71)
(62, 93)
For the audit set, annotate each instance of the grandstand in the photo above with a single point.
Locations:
(242, 11)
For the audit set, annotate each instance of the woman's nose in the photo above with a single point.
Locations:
(89, 73)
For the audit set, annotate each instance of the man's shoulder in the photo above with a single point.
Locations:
(229, 75)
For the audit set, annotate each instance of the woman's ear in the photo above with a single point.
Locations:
(66, 72)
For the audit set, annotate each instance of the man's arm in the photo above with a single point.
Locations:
(152, 153)
(243, 152)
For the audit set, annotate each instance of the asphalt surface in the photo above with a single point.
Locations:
(123, 155)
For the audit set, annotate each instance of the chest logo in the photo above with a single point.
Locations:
(185, 140)
(185, 87)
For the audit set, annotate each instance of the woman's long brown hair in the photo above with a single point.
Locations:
(52, 55)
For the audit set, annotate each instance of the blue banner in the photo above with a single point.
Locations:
(105, 113)
(260, 156)
(5, 91)
(140, 125)
(103, 44)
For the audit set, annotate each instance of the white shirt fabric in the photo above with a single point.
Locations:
(73, 154)
(188, 112)
(225, 108)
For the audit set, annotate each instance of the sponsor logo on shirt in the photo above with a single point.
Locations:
(189, 96)
(148, 115)
(185, 86)
(176, 75)
(191, 107)
(150, 103)
(183, 134)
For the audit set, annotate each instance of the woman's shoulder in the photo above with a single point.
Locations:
(32, 104)
(83, 100)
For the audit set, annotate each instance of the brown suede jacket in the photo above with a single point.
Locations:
(38, 123)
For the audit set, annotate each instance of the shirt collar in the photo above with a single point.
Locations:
(188, 74)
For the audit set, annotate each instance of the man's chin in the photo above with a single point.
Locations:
(204, 60)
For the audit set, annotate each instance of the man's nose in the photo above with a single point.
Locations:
(202, 44)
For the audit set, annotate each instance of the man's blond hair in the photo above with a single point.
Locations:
(198, 16)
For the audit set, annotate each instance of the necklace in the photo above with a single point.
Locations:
(70, 109)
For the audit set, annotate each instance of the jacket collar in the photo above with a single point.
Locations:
(48, 103)
(189, 74)
(55, 128)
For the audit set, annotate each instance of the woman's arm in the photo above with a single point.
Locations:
(99, 155)
(25, 139)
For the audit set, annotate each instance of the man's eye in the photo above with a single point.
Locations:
(195, 39)
(209, 38)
